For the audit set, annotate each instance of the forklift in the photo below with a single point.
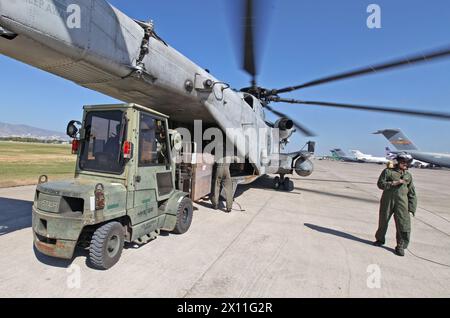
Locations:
(124, 189)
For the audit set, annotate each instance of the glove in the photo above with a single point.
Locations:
(398, 183)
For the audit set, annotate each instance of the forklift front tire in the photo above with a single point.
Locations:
(184, 216)
(106, 245)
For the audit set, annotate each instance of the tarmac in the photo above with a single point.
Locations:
(312, 242)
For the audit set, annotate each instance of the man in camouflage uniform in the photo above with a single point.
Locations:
(398, 199)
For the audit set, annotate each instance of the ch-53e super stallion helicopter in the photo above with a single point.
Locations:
(97, 46)
(128, 194)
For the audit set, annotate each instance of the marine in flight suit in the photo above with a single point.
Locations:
(399, 199)
(223, 179)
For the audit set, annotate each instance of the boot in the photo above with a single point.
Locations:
(378, 243)
(399, 251)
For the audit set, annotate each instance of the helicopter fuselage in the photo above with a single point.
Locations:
(95, 45)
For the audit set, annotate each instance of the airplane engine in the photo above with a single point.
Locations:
(286, 127)
(304, 167)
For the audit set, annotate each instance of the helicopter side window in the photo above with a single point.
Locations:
(249, 100)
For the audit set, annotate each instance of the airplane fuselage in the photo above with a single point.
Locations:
(438, 159)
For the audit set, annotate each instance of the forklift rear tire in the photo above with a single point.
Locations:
(184, 216)
(106, 245)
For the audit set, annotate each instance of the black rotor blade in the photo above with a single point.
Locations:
(400, 111)
(249, 40)
(403, 62)
(250, 22)
(305, 131)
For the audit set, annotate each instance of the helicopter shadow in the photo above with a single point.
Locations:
(263, 183)
(338, 196)
(333, 181)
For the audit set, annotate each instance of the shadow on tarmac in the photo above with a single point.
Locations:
(15, 215)
(333, 181)
(343, 235)
(339, 196)
(263, 183)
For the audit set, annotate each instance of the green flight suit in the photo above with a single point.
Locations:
(398, 201)
(223, 178)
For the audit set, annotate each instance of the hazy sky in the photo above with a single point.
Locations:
(307, 39)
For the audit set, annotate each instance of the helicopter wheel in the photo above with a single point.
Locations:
(277, 183)
(288, 185)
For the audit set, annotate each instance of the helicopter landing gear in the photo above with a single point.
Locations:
(282, 183)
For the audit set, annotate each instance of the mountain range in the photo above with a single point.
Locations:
(24, 131)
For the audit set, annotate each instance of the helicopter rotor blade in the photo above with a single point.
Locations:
(305, 131)
(403, 62)
(400, 111)
(250, 23)
(249, 63)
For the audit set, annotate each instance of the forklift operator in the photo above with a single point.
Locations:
(112, 145)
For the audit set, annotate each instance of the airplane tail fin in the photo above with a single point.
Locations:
(340, 152)
(390, 154)
(334, 154)
(398, 139)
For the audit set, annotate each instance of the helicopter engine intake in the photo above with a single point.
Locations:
(286, 129)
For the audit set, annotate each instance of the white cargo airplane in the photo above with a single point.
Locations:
(368, 158)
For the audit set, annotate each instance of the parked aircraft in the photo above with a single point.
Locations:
(415, 163)
(368, 158)
(340, 154)
(403, 144)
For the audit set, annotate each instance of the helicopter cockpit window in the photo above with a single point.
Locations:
(249, 100)
(153, 148)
